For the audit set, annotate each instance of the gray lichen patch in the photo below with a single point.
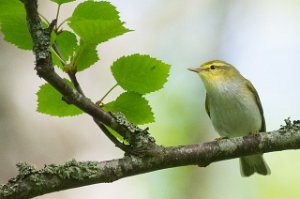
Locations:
(121, 119)
(291, 126)
(75, 170)
(230, 145)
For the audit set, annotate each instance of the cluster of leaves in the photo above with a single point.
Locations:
(92, 23)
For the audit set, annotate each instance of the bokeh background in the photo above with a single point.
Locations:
(260, 37)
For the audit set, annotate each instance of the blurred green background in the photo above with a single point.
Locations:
(260, 37)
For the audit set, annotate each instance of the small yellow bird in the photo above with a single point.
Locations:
(234, 107)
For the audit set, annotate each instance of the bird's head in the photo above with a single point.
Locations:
(217, 72)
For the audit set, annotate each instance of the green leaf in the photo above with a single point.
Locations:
(66, 43)
(13, 24)
(140, 73)
(53, 35)
(85, 56)
(62, 1)
(96, 22)
(56, 61)
(50, 102)
(135, 108)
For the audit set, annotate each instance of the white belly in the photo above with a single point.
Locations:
(234, 113)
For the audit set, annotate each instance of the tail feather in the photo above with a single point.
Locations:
(254, 163)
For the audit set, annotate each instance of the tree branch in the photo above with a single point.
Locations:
(31, 182)
(45, 69)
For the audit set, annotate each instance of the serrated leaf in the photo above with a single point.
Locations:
(96, 22)
(66, 43)
(13, 24)
(140, 73)
(62, 1)
(50, 102)
(85, 56)
(134, 106)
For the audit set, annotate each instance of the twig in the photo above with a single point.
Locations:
(112, 138)
(57, 14)
(62, 23)
(75, 82)
(99, 102)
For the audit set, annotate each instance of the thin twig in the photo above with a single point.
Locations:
(58, 55)
(44, 18)
(99, 102)
(75, 82)
(57, 13)
(112, 138)
(62, 23)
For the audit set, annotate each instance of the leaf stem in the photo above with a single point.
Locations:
(44, 18)
(112, 138)
(106, 94)
(58, 56)
(58, 27)
(57, 13)
(72, 74)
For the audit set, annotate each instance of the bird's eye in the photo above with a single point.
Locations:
(212, 67)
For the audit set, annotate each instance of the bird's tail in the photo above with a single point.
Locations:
(253, 163)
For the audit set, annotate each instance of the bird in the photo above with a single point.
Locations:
(234, 108)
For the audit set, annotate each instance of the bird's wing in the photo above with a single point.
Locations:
(253, 90)
(207, 105)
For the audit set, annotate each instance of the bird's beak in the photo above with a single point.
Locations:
(196, 70)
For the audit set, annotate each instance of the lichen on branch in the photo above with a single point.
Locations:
(31, 182)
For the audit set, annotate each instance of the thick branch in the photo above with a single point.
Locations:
(30, 182)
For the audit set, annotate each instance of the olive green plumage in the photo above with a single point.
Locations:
(234, 108)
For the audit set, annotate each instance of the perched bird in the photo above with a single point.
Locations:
(234, 107)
